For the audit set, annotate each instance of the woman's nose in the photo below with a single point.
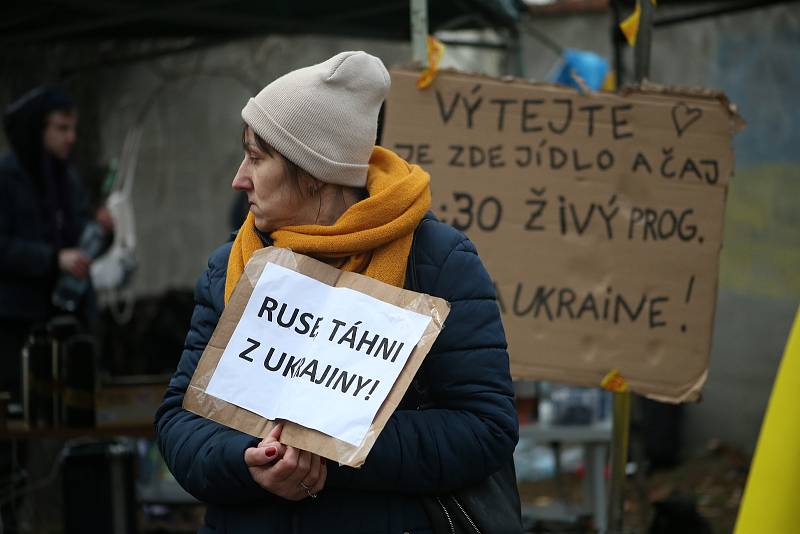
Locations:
(242, 182)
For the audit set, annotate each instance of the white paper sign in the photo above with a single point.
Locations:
(320, 356)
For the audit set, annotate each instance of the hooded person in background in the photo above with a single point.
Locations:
(43, 211)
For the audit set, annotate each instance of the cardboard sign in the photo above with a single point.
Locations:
(351, 352)
(301, 345)
(599, 217)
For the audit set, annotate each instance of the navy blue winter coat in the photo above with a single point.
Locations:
(43, 208)
(28, 248)
(469, 434)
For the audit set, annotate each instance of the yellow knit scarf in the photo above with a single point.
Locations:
(373, 237)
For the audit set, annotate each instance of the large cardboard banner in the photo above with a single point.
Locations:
(598, 216)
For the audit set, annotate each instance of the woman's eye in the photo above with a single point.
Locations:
(253, 159)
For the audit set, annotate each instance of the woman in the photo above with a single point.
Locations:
(316, 184)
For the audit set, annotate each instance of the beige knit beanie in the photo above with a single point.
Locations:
(324, 117)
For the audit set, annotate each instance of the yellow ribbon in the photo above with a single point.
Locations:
(630, 26)
(614, 381)
(435, 53)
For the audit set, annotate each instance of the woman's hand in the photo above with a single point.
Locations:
(284, 471)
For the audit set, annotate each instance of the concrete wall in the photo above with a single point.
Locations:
(188, 106)
(192, 141)
(191, 146)
(753, 57)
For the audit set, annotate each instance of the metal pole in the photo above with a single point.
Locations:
(619, 459)
(622, 400)
(617, 43)
(644, 41)
(515, 67)
(419, 31)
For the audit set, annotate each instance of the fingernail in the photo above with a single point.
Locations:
(270, 452)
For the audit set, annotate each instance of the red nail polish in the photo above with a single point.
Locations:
(270, 452)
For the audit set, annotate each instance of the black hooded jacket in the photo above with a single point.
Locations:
(43, 208)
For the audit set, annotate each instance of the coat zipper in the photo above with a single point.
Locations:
(447, 516)
(469, 519)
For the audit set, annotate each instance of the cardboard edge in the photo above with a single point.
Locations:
(692, 394)
(355, 455)
(644, 88)
(197, 401)
(680, 393)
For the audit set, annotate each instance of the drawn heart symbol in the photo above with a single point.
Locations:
(683, 116)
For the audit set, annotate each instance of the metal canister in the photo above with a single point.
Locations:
(78, 371)
(38, 388)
